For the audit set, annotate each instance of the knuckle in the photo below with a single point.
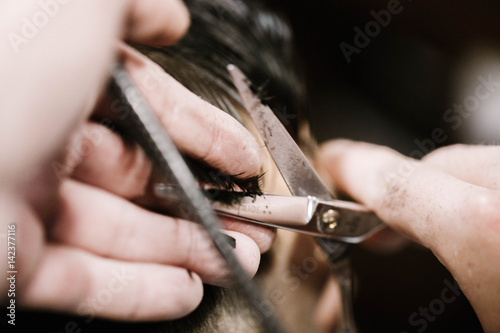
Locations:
(195, 250)
(193, 254)
(215, 138)
(136, 170)
(171, 114)
(443, 152)
(83, 283)
(180, 233)
(483, 210)
(394, 184)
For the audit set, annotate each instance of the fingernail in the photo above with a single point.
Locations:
(230, 240)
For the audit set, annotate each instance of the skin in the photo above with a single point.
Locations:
(76, 233)
(447, 202)
(77, 227)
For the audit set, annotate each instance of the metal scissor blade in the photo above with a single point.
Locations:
(299, 175)
(296, 170)
(300, 178)
(304, 215)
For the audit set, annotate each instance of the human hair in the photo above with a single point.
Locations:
(250, 36)
(259, 42)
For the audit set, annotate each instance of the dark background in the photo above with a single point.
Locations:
(393, 92)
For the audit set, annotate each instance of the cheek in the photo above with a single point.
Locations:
(272, 180)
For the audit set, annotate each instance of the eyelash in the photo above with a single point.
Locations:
(222, 187)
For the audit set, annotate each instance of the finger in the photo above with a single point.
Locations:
(157, 21)
(465, 161)
(385, 241)
(195, 126)
(457, 220)
(110, 163)
(128, 232)
(122, 168)
(425, 203)
(75, 281)
(20, 225)
(263, 236)
(78, 41)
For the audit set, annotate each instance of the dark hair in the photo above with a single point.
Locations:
(244, 33)
(259, 42)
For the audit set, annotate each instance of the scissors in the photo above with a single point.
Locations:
(143, 126)
(311, 209)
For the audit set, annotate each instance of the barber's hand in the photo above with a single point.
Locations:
(448, 202)
(68, 184)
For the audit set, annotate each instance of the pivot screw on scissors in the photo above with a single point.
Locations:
(329, 220)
